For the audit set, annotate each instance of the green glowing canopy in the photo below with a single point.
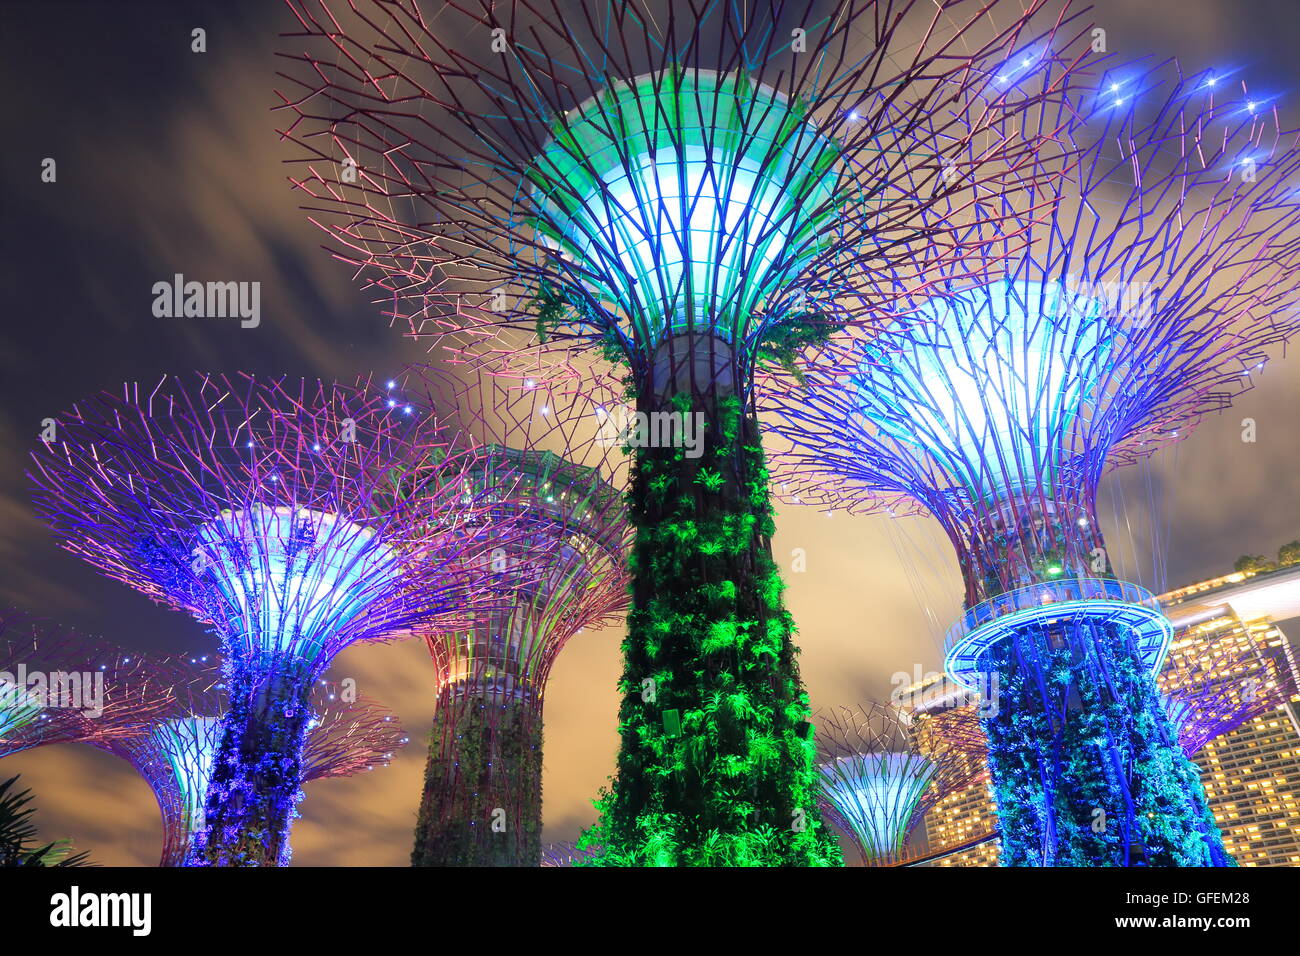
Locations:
(686, 197)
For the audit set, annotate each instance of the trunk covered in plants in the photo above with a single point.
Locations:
(482, 803)
(256, 779)
(1086, 768)
(715, 766)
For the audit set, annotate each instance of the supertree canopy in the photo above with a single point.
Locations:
(58, 685)
(294, 517)
(175, 754)
(1209, 690)
(687, 192)
(1168, 263)
(545, 463)
(878, 779)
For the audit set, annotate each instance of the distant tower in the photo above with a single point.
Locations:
(1165, 265)
(878, 780)
(1252, 772)
(688, 192)
(295, 518)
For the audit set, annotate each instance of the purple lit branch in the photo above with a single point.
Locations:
(349, 736)
(1140, 306)
(58, 686)
(295, 517)
(1210, 690)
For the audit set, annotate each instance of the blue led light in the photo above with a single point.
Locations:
(292, 577)
(878, 795)
(692, 189)
(1076, 603)
(189, 745)
(991, 380)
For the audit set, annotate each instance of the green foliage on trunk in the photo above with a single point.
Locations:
(716, 765)
(784, 340)
(485, 768)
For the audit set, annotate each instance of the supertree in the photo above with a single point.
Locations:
(1149, 296)
(549, 465)
(878, 779)
(294, 518)
(58, 685)
(1209, 690)
(685, 192)
(175, 754)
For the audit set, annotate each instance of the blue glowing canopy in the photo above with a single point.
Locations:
(878, 795)
(18, 707)
(292, 576)
(189, 746)
(992, 382)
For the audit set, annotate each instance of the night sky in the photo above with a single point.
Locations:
(168, 162)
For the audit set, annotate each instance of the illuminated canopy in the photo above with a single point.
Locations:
(292, 574)
(878, 794)
(879, 777)
(189, 746)
(685, 167)
(992, 381)
(571, 562)
(18, 707)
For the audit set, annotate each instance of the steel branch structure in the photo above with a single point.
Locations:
(1170, 263)
(58, 685)
(551, 465)
(691, 193)
(295, 518)
(956, 727)
(878, 781)
(1214, 692)
(349, 734)
(637, 177)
